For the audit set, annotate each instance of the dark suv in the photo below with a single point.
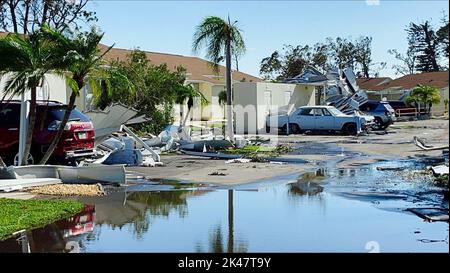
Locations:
(384, 114)
(76, 142)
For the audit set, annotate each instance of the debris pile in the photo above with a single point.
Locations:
(340, 87)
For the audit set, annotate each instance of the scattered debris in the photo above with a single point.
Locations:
(9, 185)
(422, 145)
(238, 160)
(217, 173)
(276, 163)
(431, 214)
(390, 168)
(69, 190)
(440, 170)
(94, 173)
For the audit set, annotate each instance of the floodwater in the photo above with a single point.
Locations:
(331, 210)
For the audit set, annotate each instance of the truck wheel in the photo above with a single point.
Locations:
(350, 129)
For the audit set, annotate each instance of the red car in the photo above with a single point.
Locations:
(76, 142)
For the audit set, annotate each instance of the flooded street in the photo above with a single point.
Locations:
(330, 210)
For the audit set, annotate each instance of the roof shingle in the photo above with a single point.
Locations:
(197, 69)
(372, 84)
(437, 79)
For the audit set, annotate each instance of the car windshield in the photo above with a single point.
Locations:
(335, 112)
(57, 113)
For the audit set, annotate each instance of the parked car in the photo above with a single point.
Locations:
(384, 114)
(317, 118)
(76, 142)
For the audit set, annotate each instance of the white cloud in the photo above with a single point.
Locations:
(373, 2)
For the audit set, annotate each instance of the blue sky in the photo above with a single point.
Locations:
(168, 26)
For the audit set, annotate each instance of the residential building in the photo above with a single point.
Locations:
(403, 85)
(253, 101)
(373, 86)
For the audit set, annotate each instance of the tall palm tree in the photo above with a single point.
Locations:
(220, 38)
(223, 101)
(187, 94)
(25, 62)
(84, 64)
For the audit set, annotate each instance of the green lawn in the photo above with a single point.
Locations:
(16, 215)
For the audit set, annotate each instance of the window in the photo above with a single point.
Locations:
(335, 112)
(306, 112)
(10, 116)
(318, 112)
(326, 112)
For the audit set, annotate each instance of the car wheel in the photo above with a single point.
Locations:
(350, 129)
(30, 159)
(379, 125)
(294, 128)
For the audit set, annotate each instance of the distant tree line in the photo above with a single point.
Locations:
(339, 52)
(428, 50)
(26, 16)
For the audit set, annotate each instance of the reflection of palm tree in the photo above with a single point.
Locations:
(230, 222)
(216, 241)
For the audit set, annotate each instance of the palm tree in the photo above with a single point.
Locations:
(25, 62)
(427, 95)
(85, 64)
(220, 38)
(414, 99)
(222, 102)
(430, 96)
(189, 93)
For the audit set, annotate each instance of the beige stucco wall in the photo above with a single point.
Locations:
(53, 88)
(211, 111)
(254, 101)
(439, 109)
(245, 101)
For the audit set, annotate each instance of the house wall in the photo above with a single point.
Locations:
(440, 109)
(388, 94)
(211, 111)
(254, 101)
(245, 100)
(217, 110)
(53, 88)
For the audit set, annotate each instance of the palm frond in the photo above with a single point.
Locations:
(213, 34)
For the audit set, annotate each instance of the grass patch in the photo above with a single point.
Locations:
(258, 153)
(16, 215)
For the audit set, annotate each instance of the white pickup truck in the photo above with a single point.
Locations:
(318, 118)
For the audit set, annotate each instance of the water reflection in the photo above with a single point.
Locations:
(62, 236)
(138, 209)
(310, 214)
(307, 184)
